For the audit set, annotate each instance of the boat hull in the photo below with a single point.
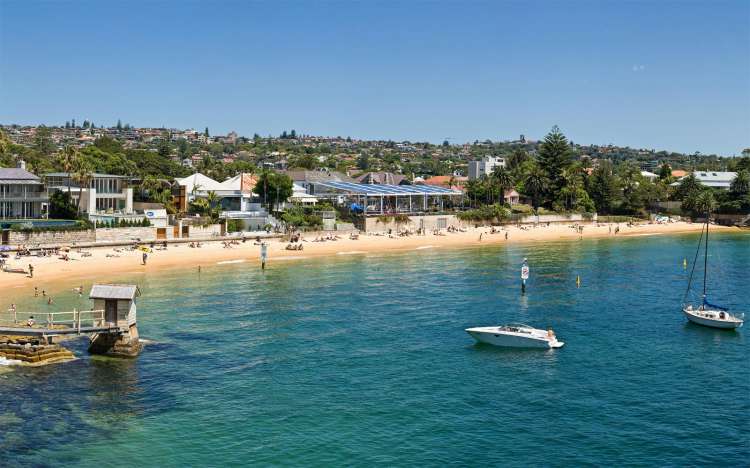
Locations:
(496, 338)
(712, 319)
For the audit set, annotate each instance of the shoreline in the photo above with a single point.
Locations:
(106, 263)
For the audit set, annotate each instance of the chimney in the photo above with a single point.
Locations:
(21, 164)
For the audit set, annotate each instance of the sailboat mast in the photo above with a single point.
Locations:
(705, 261)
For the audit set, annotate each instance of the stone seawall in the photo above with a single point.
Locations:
(50, 238)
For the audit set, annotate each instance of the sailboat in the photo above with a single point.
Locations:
(707, 314)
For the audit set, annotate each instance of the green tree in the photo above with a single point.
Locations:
(273, 187)
(164, 149)
(43, 141)
(504, 180)
(82, 174)
(603, 187)
(705, 202)
(555, 155)
(61, 207)
(363, 162)
(535, 185)
(665, 172)
(740, 186)
(689, 187)
(68, 159)
(516, 159)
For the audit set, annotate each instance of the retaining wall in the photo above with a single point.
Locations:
(50, 238)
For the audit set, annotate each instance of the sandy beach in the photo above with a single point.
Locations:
(106, 263)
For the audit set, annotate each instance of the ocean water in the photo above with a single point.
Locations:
(362, 360)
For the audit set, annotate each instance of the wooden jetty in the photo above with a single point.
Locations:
(111, 323)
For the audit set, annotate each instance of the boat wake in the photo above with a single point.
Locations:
(351, 252)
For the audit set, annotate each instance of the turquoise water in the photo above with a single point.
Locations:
(362, 360)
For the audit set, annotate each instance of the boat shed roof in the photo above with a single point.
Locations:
(114, 291)
(383, 189)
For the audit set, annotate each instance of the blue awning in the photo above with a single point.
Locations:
(387, 190)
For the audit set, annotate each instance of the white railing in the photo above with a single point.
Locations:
(72, 319)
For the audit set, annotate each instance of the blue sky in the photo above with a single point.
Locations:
(663, 75)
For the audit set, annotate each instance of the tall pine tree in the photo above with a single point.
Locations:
(555, 155)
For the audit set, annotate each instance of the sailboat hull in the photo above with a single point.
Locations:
(712, 318)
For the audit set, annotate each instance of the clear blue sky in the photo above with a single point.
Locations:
(663, 75)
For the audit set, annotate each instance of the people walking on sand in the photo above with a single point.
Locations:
(506, 235)
(31, 270)
(36, 291)
(145, 258)
(44, 293)
(480, 236)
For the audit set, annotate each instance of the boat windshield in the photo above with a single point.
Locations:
(518, 328)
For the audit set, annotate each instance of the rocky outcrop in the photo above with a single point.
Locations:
(33, 352)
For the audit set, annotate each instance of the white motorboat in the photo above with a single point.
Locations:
(707, 314)
(516, 336)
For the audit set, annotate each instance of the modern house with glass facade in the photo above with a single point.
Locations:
(22, 194)
(106, 193)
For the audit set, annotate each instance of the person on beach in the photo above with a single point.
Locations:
(31, 270)
(145, 258)
(44, 293)
(50, 301)
(506, 235)
(36, 291)
(30, 322)
(480, 236)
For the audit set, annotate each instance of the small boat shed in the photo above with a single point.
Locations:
(118, 301)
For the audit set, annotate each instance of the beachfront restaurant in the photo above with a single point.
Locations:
(382, 199)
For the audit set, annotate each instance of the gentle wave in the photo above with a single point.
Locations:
(228, 262)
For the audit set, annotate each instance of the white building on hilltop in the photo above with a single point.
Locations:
(484, 167)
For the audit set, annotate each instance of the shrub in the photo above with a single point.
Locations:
(485, 213)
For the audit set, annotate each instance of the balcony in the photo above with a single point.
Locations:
(28, 196)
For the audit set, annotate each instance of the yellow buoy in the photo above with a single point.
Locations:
(578, 281)
(684, 263)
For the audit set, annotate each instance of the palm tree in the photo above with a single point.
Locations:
(572, 182)
(68, 158)
(535, 185)
(504, 179)
(82, 175)
(213, 199)
(741, 183)
(705, 202)
(151, 185)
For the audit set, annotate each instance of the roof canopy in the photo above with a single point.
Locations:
(114, 291)
(383, 189)
(17, 174)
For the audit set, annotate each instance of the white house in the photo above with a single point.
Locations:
(484, 166)
(106, 193)
(649, 175)
(713, 179)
